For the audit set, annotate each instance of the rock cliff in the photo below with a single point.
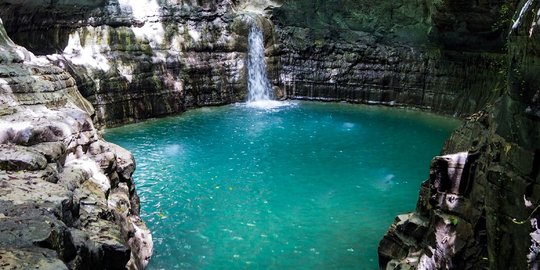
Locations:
(393, 52)
(67, 199)
(139, 59)
(479, 207)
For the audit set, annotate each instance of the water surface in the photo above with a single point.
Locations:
(306, 186)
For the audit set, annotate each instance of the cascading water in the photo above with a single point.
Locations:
(259, 88)
(260, 94)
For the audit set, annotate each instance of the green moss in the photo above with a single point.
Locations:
(122, 39)
(453, 220)
(157, 82)
(505, 17)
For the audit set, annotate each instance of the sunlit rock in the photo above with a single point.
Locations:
(59, 181)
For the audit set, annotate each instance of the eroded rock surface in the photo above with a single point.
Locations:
(139, 59)
(393, 52)
(479, 209)
(67, 199)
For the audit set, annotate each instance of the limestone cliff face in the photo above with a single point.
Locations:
(391, 52)
(139, 59)
(479, 208)
(67, 199)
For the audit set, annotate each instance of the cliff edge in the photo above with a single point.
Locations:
(67, 198)
(479, 207)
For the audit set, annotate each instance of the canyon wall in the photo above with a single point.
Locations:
(440, 55)
(139, 59)
(67, 198)
(479, 207)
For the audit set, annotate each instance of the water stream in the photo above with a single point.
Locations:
(259, 88)
(260, 92)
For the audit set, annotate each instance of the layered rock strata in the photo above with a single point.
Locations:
(67, 198)
(139, 59)
(454, 83)
(445, 56)
(479, 208)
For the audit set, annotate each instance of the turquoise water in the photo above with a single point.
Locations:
(307, 186)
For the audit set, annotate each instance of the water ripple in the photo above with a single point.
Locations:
(299, 186)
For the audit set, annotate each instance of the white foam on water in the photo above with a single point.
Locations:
(173, 149)
(269, 104)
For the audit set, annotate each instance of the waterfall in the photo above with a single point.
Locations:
(260, 92)
(259, 87)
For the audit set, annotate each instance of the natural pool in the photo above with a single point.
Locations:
(304, 186)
